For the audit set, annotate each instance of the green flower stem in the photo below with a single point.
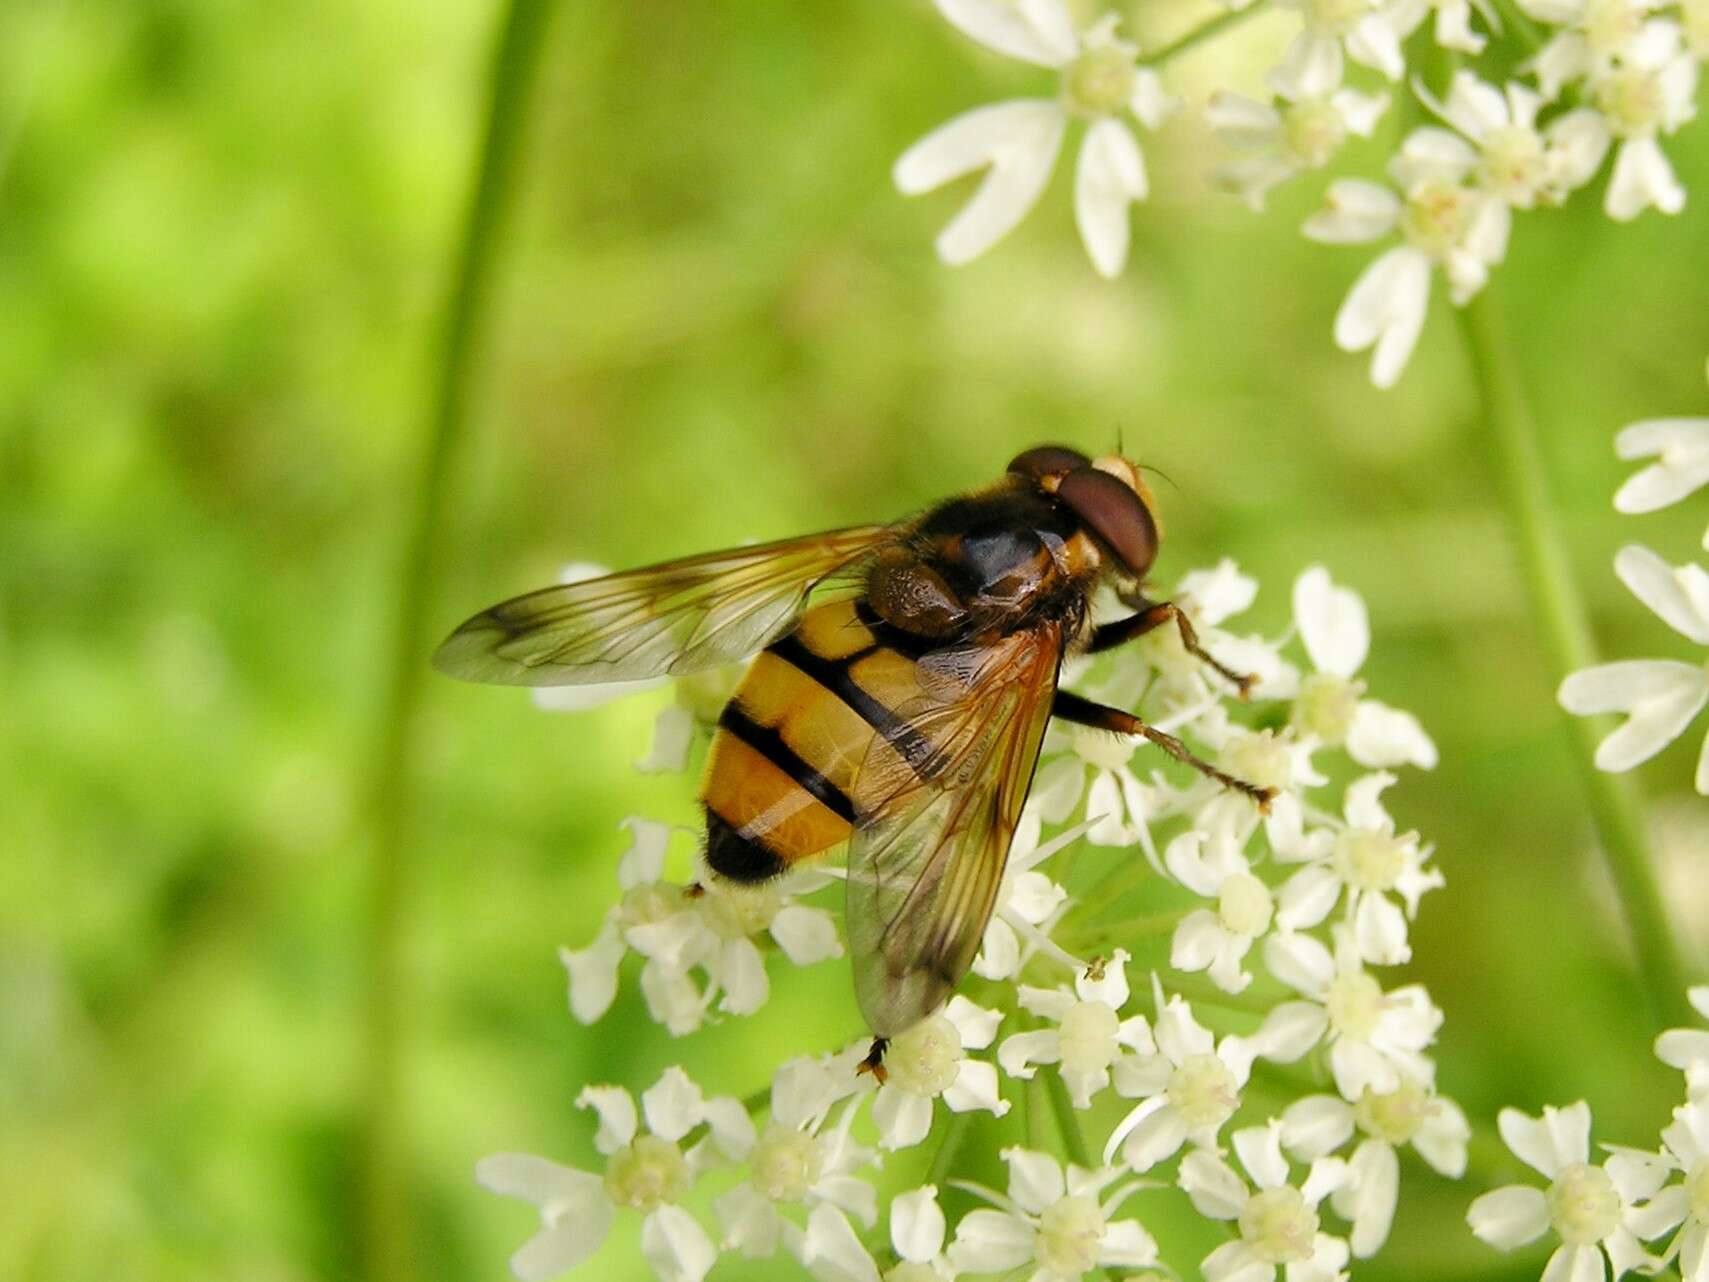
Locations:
(382, 1205)
(1034, 1103)
(1067, 1121)
(1567, 645)
(1101, 940)
(949, 1148)
(1130, 872)
(1198, 36)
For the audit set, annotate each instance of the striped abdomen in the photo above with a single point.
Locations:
(789, 773)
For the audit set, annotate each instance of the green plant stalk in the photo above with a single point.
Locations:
(1199, 35)
(955, 1134)
(1067, 1122)
(383, 1216)
(1568, 646)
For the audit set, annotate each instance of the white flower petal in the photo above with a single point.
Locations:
(1680, 598)
(1019, 140)
(673, 1105)
(1260, 1152)
(1109, 177)
(975, 1086)
(1031, 32)
(1509, 1217)
(1215, 1190)
(592, 973)
(615, 1108)
(806, 935)
(1035, 1179)
(1354, 211)
(991, 1242)
(1385, 310)
(917, 1225)
(678, 1249)
(1316, 1126)
(673, 733)
(1381, 736)
(1642, 179)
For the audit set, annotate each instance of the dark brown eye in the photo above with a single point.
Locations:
(1114, 513)
(1045, 460)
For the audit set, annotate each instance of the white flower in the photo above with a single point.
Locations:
(1593, 33)
(1685, 1149)
(733, 913)
(1331, 706)
(917, 1231)
(1028, 903)
(644, 1169)
(1217, 940)
(1319, 1124)
(1089, 1036)
(1052, 1220)
(1376, 1039)
(1187, 1090)
(1442, 222)
(1588, 1207)
(1650, 89)
(1017, 141)
(708, 926)
(1209, 598)
(1118, 806)
(1369, 31)
(1367, 860)
(1687, 1049)
(1660, 697)
(1681, 450)
(1278, 1222)
(1302, 131)
(1453, 22)
(926, 1062)
(671, 938)
(1499, 147)
(795, 1163)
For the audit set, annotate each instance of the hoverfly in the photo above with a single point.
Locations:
(901, 679)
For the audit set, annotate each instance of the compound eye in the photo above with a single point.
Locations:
(1047, 460)
(1114, 513)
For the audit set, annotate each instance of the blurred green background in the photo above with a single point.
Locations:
(226, 233)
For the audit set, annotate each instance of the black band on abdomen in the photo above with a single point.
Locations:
(770, 745)
(913, 746)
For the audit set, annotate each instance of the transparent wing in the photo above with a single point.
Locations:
(663, 620)
(923, 872)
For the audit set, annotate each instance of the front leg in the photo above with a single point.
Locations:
(1071, 707)
(1109, 635)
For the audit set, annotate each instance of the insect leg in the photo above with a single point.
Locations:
(1071, 707)
(1150, 617)
(874, 1061)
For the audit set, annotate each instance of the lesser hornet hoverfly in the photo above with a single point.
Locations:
(901, 679)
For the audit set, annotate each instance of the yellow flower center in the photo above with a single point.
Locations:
(1325, 707)
(1203, 1092)
(1369, 860)
(1279, 1226)
(1394, 1115)
(1099, 82)
(651, 901)
(785, 1163)
(1244, 905)
(1436, 216)
(1583, 1204)
(1632, 100)
(1355, 1004)
(1338, 16)
(1610, 25)
(1069, 1231)
(736, 911)
(1313, 132)
(1259, 757)
(909, 1271)
(1088, 1036)
(926, 1059)
(646, 1173)
(1514, 165)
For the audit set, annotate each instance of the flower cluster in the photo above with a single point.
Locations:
(1659, 698)
(1604, 76)
(1636, 1210)
(1212, 1031)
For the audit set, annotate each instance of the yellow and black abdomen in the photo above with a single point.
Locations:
(784, 780)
